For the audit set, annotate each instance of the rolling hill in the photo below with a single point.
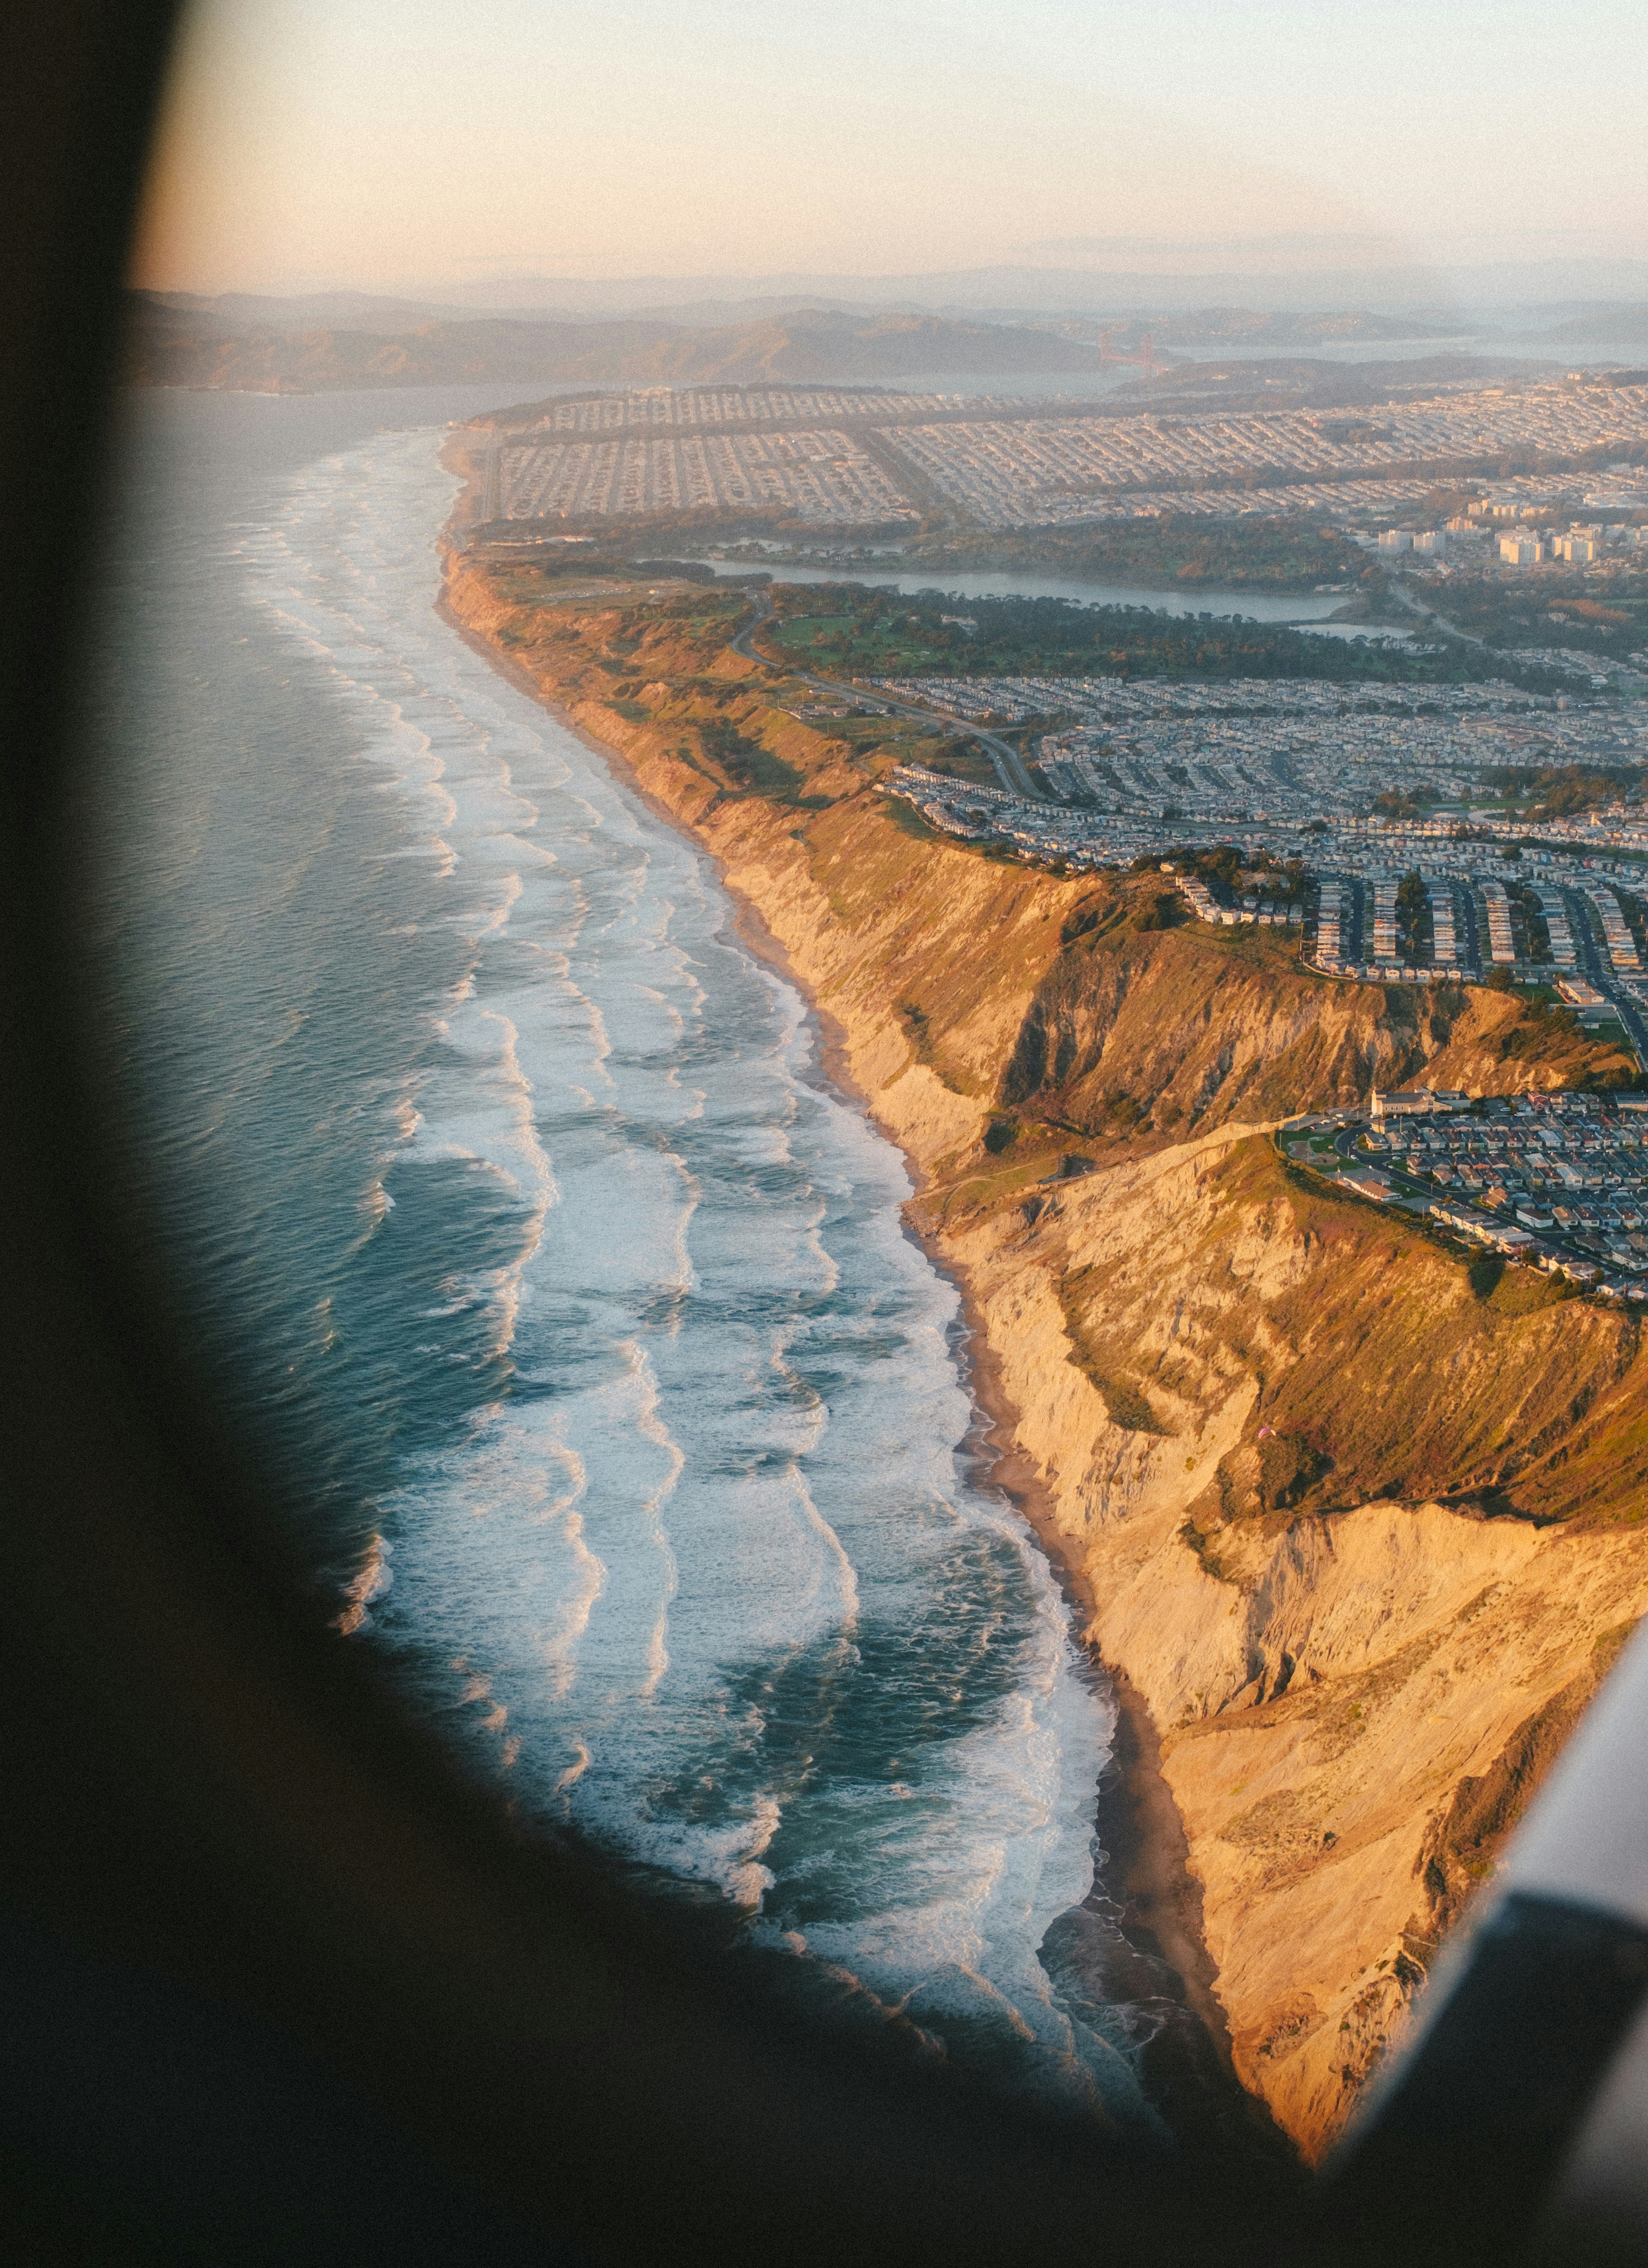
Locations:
(195, 344)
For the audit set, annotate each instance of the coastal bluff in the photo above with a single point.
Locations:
(1357, 1520)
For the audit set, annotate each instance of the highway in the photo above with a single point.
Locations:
(1405, 596)
(1011, 769)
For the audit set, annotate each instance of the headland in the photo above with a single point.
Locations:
(1352, 1493)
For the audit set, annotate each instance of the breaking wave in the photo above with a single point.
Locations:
(582, 1300)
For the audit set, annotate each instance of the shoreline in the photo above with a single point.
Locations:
(1153, 1900)
(1148, 1896)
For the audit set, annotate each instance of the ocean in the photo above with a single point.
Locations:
(566, 1304)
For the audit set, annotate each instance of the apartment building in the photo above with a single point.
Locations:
(1622, 945)
(1562, 951)
(1496, 905)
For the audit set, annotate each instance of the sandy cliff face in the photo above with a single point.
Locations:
(1357, 1516)
(1352, 1701)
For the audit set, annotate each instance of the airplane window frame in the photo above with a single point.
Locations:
(227, 1852)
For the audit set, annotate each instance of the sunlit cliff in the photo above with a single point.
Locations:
(1358, 1517)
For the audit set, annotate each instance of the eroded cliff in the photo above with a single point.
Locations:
(1357, 1516)
(1354, 1695)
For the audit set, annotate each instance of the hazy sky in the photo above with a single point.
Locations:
(405, 145)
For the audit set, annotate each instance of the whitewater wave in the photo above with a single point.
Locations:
(369, 1580)
(725, 1590)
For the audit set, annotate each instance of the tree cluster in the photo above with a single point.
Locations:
(1279, 554)
(869, 631)
(1560, 790)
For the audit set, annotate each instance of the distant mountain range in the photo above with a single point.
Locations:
(1254, 326)
(1287, 382)
(1613, 327)
(330, 340)
(1499, 292)
(211, 345)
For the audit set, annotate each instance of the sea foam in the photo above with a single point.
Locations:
(696, 1561)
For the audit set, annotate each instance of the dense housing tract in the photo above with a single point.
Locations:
(1558, 1182)
(1302, 781)
(820, 476)
(1042, 471)
(1003, 463)
(1285, 749)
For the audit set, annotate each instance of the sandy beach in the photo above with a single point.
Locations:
(1153, 1897)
